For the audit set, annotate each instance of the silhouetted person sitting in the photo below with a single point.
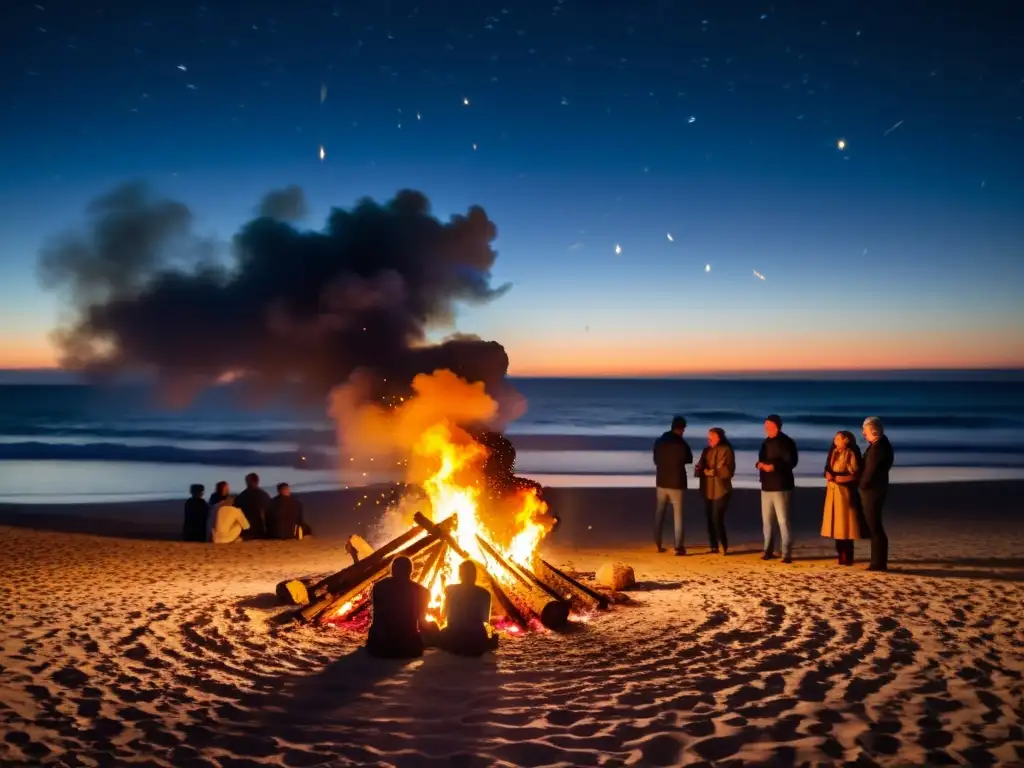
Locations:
(253, 501)
(467, 609)
(197, 513)
(229, 523)
(399, 614)
(284, 515)
(220, 492)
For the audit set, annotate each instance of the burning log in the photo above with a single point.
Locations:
(423, 551)
(355, 579)
(580, 595)
(552, 609)
(510, 609)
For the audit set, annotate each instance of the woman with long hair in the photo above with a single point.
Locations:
(715, 469)
(841, 519)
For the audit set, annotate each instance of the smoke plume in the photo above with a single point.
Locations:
(295, 307)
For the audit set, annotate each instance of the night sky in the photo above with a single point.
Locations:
(853, 175)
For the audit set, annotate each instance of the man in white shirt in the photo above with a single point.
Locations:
(228, 522)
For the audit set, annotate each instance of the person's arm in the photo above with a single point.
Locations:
(727, 465)
(242, 519)
(484, 606)
(870, 467)
(687, 455)
(657, 444)
(850, 475)
(795, 454)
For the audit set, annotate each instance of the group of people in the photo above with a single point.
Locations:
(252, 514)
(402, 629)
(856, 488)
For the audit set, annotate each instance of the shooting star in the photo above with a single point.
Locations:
(758, 275)
(669, 236)
(893, 127)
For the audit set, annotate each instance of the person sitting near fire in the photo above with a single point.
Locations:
(228, 522)
(284, 515)
(467, 609)
(197, 512)
(253, 501)
(399, 614)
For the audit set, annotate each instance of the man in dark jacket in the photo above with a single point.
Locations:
(399, 614)
(284, 515)
(253, 502)
(671, 455)
(775, 463)
(874, 487)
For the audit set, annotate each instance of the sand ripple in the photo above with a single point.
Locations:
(120, 652)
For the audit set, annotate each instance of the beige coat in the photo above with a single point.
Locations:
(840, 520)
(722, 460)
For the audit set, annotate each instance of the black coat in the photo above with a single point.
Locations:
(779, 451)
(284, 516)
(197, 512)
(671, 455)
(878, 460)
(254, 502)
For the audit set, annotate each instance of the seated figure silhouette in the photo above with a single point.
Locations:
(399, 614)
(467, 609)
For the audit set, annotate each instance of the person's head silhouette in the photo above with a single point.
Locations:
(401, 568)
(467, 572)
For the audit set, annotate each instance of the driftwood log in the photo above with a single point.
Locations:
(548, 606)
(353, 580)
(580, 595)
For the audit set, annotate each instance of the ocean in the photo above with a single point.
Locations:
(80, 443)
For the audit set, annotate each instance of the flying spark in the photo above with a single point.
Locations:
(618, 249)
(323, 93)
(707, 267)
(465, 101)
(183, 68)
(323, 154)
(893, 127)
(669, 236)
(758, 275)
(841, 144)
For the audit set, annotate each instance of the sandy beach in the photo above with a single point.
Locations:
(119, 647)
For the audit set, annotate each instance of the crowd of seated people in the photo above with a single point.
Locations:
(252, 514)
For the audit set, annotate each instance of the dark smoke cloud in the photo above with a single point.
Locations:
(304, 307)
(288, 204)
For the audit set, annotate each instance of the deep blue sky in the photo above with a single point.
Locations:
(588, 125)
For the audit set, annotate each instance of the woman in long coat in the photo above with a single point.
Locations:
(841, 520)
(715, 469)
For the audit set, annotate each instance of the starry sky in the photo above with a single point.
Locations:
(678, 186)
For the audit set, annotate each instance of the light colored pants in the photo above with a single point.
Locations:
(666, 496)
(775, 506)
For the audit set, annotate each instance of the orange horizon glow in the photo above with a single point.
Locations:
(658, 356)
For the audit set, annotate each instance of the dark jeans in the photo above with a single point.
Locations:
(669, 497)
(715, 509)
(873, 502)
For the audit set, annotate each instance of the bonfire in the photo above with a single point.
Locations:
(462, 517)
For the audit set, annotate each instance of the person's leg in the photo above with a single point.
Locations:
(677, 519)
(660, 508)
(849, 551)
(872, 516)
(840, 552)
(785, 531)
(721, 505)
(709, 513)
(767, 513)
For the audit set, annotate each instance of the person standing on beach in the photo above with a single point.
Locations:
(874, 488)
(716, 468)
(253, 501)
(671, 455)
(776, 461)
(840, 519)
